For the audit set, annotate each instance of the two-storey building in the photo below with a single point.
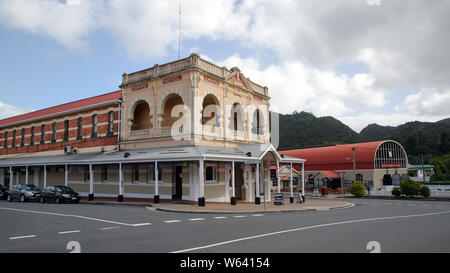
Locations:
(187, 130)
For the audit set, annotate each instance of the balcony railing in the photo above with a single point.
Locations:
(211, 131)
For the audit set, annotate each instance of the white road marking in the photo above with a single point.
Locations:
(220, 217)
(257, 215)
(239, 216)
(22, 237)
(141, 224)
(172, 221)
(70, 231)
(108, 228)
(411, 205)
(305, 228)
(70, 215)
(196, 219)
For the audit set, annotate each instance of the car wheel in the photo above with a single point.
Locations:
(42, 200)
(22, 198)
(9, 198)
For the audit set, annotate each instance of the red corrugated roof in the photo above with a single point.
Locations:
(330, 174)
(338, 157)
(64, 107)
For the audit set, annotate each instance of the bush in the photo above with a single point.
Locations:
(396, 192)
(410, 187)
(425, 191)
(357, 189)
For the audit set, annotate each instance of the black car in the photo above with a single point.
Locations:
(24, 193)
(59, 194)
(3, 192)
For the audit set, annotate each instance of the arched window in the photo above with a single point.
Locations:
(110, 123)
(14, 139)
(237, 117)
(66, 130)
(94, 125)
(258, 123)
(23, 137)
(171, 101)
(141, 117)
(54, 132)
(32, 136)
(5, 145)
(210, 111)
(80, 128)
(42, 133)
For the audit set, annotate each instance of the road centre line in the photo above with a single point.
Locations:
(239, 216)
(70, 231)
(220, 217)
(308, 227)
(172, 221)
(196, 219)
(22, 237)
(72, 215)
(108, 228)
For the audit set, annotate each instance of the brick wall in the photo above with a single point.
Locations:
(103, 138)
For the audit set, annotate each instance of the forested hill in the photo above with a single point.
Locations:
(428, 138)
(299, 130)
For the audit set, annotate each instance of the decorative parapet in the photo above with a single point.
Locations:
(192, 62)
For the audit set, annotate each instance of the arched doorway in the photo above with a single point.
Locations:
(210, 111)
(141, 116)
(236, 118)
(169, 117)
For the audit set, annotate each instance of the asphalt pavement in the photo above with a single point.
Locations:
(371, 225)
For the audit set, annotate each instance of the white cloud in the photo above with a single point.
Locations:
(7, 111)
(403, 43)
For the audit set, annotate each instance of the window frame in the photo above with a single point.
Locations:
(110, 123)
(66, 130)
(42, 134)
(94, 128)
(214, 173)
(80, 128)
(53, 132)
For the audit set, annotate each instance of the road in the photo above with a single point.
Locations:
(394, 225)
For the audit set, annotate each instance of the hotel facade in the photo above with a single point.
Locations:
(188, 130)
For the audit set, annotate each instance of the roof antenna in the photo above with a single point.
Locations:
(179, 32)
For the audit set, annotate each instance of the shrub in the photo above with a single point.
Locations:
(410, 187)
(425, 191)
(396, 192)
(357, 189)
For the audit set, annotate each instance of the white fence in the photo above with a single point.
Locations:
(435, 191)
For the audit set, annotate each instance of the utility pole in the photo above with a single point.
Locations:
(179, 32)
(354, 161)
(423, 170)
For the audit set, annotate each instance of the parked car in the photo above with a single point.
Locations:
(24, 193)
(3, 192)
(59, 194)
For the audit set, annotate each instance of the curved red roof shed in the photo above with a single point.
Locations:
(340, 157)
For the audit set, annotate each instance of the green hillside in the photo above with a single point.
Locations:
(299, 130)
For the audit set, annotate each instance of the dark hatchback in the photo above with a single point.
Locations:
(3, 192)
(24, 193)
(59, 194)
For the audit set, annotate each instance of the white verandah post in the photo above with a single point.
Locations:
(257, 197)
(91, 183)
(120, 197)
(233, 188)
(156, 195)
(292, 190)
(201, 198)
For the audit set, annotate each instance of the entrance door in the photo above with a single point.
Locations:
(178, 183)
(238, 182)
(387, 180)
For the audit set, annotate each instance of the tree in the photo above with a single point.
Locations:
(425, 191)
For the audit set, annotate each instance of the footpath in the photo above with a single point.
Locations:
(311, 204)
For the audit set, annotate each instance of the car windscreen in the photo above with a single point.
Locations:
(64, 189)
(31, 187)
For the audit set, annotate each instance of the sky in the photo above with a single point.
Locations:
(360, 61)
